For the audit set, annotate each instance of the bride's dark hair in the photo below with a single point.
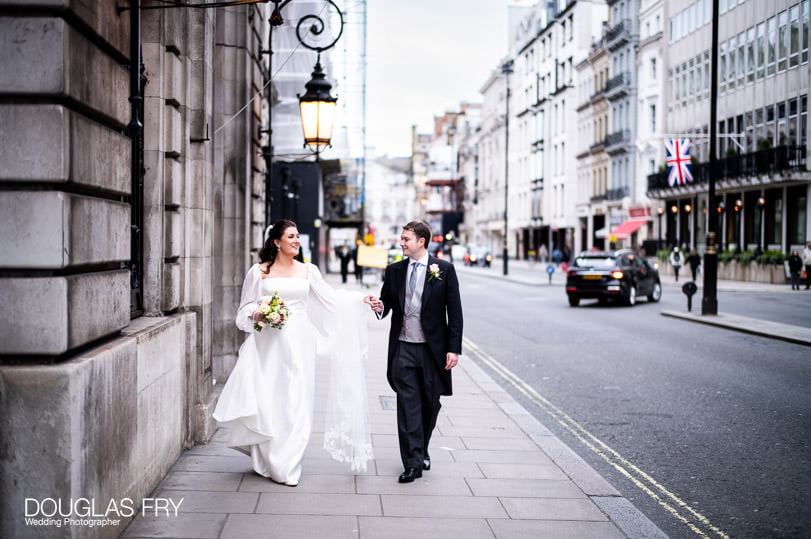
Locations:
(269, 251)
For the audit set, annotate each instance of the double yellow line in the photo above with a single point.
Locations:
(674, 505)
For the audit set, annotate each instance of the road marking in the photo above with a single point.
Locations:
(666, 499)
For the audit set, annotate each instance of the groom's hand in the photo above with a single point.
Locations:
(451, 359)
(373, 302)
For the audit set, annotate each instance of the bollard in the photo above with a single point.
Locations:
(689, 288)
(550, 269)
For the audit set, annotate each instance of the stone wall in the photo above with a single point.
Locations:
(98, 399)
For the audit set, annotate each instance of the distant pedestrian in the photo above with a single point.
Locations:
(557, 256)
(676, 260)
(358, 268)
(543, 253)
(344, 254)
(807, 262)
(695, 261)
(795, 266)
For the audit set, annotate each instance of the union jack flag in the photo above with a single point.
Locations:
(678, 159)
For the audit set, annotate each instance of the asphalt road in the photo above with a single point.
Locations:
(705, 430)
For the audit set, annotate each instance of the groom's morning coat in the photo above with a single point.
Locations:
(440, 316)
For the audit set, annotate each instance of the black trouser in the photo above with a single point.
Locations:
(417, 384)
(807, 276)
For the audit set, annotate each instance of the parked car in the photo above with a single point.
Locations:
(622, 275)
(478, 255)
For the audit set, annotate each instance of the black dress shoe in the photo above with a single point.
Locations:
(409, 475)
(426, 463)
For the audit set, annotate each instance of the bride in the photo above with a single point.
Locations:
(267, 402)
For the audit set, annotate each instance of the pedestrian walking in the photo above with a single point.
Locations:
(344, 254)
(676, 260)
(425, 339)
(358, 268)
(543, 253)
(694, 261)
(795, 266)
(807, 262)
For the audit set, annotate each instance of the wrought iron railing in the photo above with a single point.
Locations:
(748, 164)
(618, 137)
(617, 30)
(617, 81)
(617, 193)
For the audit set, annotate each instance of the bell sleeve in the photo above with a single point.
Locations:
(250, 296)
(341, 318)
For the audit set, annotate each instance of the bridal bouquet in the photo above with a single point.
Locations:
(274, 312)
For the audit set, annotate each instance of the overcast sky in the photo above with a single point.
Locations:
(424, 57)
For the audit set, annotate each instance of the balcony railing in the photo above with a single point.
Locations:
(748, 164)
(619, 34)
(617, 29)
(618, 137)
(617, 81)
(617, 193)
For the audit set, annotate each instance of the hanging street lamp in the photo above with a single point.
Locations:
(317, 108)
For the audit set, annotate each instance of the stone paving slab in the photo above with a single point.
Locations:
(552, 509)
(418, 506)
(528, 488)
(190, 525)
(290, 527)
(411, 528)
(221, 481)
(535, 529)
(496, 473)
(301, 503)
(430, 485)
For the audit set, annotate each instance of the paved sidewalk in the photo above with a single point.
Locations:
(497, 473)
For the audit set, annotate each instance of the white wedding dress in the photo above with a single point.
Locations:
(267, 402)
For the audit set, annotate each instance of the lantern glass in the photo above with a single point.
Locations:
(317, 118)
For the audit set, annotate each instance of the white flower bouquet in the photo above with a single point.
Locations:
(274, 312)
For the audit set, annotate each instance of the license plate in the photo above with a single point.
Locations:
(593, 277)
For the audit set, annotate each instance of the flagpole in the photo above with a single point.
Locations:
(709, 302)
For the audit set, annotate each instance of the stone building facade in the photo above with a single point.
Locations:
(119, 293)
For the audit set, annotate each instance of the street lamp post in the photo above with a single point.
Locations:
(709, 301)
(761, 204)
(317, 106)
(506, 69)
(661, 211)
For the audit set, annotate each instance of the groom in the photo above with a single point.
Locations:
(425, 340)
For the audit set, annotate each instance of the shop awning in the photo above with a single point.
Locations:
(628, 227)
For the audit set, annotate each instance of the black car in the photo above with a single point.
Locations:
(622, 275)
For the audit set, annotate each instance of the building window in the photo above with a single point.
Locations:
(750, 54)
(794, 36)
(722, 66)
(804, 30)
(761, 50)
(653, 69)
(653, 118)
(782, 41)
(771, 33)
(741, 57)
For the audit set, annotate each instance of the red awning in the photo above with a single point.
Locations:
(628, 227)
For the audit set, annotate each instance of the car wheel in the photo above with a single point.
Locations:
(574, 301)
(631, 298)
(655, 293)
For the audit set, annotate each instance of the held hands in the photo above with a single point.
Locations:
(374, 303)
